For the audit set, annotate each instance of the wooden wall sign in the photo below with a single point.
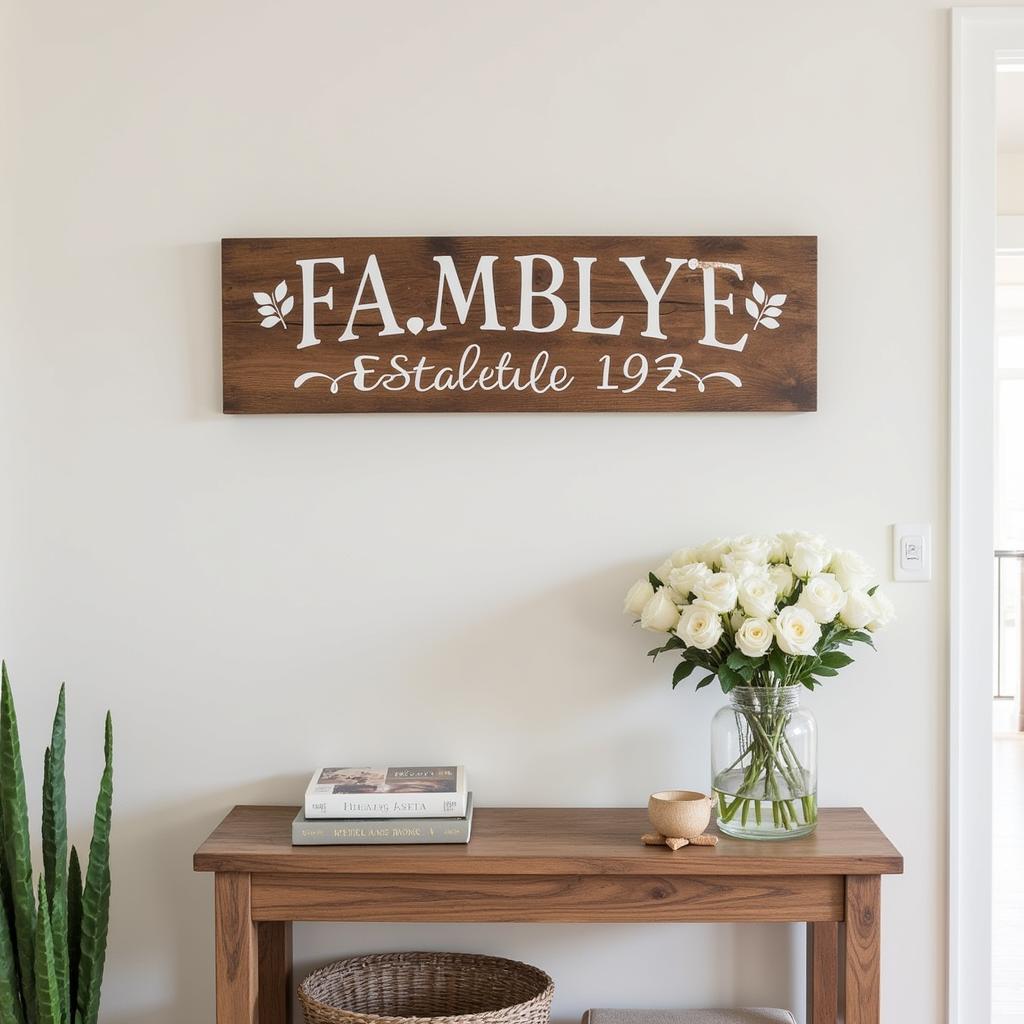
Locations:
(525, 324)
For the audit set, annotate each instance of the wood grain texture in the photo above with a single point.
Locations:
(235, 949)
(863, 949)
(778, 368)
(529, 898)
(552, 841)
(274, 965)
(822, 972)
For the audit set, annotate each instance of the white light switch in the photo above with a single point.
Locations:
(912, 551)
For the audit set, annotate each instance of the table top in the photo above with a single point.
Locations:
(552, 841)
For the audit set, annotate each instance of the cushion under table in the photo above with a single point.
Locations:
(749, 1016)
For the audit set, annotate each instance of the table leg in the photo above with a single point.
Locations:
(274, 940)
(863, 949)
(822, 972)
(236, 949)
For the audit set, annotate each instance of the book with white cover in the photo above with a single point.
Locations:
(415, 792)
(373, 831)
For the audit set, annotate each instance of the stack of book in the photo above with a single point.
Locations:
(351, 806)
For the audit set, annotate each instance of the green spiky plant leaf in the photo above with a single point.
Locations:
(55, 849)
(51, 951)
(17, 848)
(10, 993)
(74, 927)
(96, 893)
(48, 1008)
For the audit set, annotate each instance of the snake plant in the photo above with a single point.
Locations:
(53, 933)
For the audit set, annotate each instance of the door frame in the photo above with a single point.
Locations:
(981, 37)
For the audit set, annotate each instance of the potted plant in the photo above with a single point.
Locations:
(765, 616)
(53, 934)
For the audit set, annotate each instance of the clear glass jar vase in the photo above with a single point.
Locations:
(764, 764)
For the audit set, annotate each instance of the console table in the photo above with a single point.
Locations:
(545, 864)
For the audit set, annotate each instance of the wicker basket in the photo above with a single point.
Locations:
(396, 988)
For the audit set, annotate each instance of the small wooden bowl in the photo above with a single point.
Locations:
(679, 813)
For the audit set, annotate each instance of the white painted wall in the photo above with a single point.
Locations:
(252, 596)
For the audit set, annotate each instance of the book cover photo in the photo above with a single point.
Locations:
(407, 792)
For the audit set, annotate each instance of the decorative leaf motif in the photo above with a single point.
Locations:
(274, 308)
(17, 847)
(762, 309)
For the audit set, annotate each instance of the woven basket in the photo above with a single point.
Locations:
(396, 988)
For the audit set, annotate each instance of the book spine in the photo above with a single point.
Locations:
(337, 833)
(397, 805)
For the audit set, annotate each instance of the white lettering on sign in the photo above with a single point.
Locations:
(542, 310)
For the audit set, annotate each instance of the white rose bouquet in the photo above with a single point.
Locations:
(764, 614)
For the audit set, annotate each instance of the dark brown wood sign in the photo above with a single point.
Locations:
(531, 324)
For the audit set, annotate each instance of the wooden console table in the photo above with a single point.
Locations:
(545, 864)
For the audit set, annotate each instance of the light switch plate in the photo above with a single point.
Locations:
(912, 552)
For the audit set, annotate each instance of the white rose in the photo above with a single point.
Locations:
(776, 549)
(684, 579)
(782, 576)
(711, 553)
(663, 570)
(885, 611)
(808, 559)
(823, 597)
(749, 548)
(685, 556)
(796, 631)
(851, 570)
(790, 538)
(754, 637)
(637, 596)
(757, 595)
(660, 613)
(700, 626)
(719, 590)
(741, 567)
(859, 610)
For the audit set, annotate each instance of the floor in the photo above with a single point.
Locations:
(1008, 879)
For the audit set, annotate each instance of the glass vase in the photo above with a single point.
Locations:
(764, 764)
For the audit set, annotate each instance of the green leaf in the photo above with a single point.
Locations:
(48, 1009)
(55, 847)
(96, 894)
(729, 678)
(706, 681)
(871, 592)
(10, 994)
(74, 923)
(17, 846)
(836, 659)
(824, 670)
(682, 670)
(777, 662)
(654, 581)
